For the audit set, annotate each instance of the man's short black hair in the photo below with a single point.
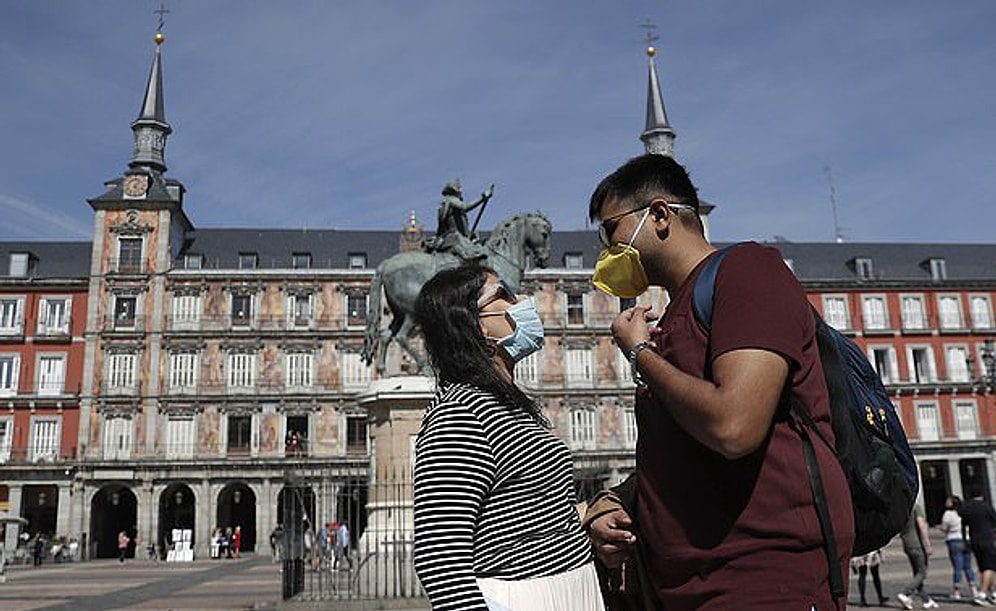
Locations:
(642, 179)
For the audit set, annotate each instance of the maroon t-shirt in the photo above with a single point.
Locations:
(740, 534)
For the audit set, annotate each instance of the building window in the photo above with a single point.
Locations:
(301, 260)
(193, 261)
(299, 369)
(883, 358)
(241, 310)
(583, 426)
(575, 309)
(835, 312)
(629, 427)
(300, 307)
(117, 442)
(875, 315)
(355, 373)
(239, 434)
(356, 309)
(183, 372)
(357, 260)
(926, 422)
(356, 435)
(124, 312)
(921, 364)
(573, 260)
(6, 438)
(44, 439)
(10, 369)
(296, 441)
(51, 374)
(966, 420)
(938, 270)
(527, 371)
(950, 307)
(578, 370)
(957, 362)
(241, 371)
(982, 312)
(53, 316)
(121, 372)
(914, 313)
(863, 268)
(248, 260)
(130, 255)
(180, 437)
(186, 312)
(19, 264)
(11, 314)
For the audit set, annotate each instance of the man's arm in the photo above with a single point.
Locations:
(921, 524)
(730, 414)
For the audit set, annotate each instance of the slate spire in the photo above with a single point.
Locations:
(151, 128)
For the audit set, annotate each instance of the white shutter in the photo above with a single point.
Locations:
(42, 316)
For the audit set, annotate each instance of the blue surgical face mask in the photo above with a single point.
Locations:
(527, 334)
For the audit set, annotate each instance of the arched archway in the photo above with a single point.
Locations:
(237, 507)
(114, 508)
(177, 512)
(306, 503)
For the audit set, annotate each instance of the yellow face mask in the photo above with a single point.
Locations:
(619, 270)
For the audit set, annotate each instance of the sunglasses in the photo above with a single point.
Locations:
(501, 290)
(607, 226)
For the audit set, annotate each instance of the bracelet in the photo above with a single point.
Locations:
(634, 353)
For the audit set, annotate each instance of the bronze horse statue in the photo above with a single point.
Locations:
(403, 275)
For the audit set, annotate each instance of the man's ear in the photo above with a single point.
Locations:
(660, 212)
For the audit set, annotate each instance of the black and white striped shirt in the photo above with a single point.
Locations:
(494, 497)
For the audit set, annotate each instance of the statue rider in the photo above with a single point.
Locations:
(452, 234)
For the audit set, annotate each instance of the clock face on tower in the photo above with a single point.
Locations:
(135, 185)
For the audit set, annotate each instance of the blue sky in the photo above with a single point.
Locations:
(348, 114)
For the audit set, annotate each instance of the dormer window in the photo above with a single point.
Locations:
(193, 261)
(863, 268)
(248, 260)
(19, 264)
(357, 260)
(301, 260)
(938, 270)
(573, 260)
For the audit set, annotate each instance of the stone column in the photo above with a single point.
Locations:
(954, 478)
(13, 530)
(204, 520)
(64, 511)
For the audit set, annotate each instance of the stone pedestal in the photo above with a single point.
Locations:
(395, 407)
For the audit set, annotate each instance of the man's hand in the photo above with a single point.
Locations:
(612, 537)
(630, 327)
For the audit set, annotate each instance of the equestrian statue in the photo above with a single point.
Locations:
(401, 276)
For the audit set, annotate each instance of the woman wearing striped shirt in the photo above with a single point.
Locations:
(495, 523)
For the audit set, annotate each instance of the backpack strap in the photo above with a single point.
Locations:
(705, 287)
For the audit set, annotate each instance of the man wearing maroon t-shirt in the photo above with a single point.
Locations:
(724, 513)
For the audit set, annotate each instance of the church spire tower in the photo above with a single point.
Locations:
(151, 128)
(657, 137)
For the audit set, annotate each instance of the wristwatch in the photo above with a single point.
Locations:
(631, 356)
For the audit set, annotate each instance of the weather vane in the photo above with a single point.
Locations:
(650, 26)
(162, 11)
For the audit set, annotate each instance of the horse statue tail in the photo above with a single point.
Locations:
(371, 337)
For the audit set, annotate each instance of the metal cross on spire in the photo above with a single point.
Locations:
(650, 26)
(162, 11)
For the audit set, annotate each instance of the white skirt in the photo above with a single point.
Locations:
(575, 590)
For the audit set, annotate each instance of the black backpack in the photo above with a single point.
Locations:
(871, 445)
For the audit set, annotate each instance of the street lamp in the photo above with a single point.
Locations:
(989, 364)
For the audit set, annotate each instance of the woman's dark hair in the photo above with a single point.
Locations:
(446, 311)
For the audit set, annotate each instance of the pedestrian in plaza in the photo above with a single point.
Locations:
(862, 565)
(341, 545)
(724, 513)
(324, 535)
(38, 550)
(276, 541)
(959, 554)
(495, 522)
(123, 541)
(237, 541)
(978, 521)
(916, 545)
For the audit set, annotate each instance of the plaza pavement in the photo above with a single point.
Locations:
(255, 584)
